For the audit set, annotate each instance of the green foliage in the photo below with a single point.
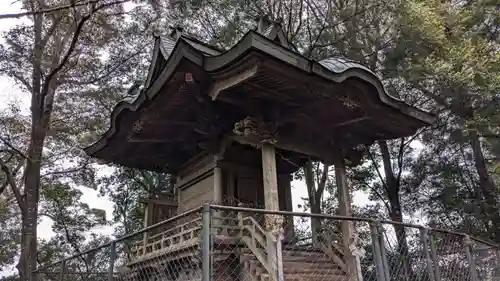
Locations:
(71, 217)
(9, 234)
(80, 63)
(437, 56)
(125, 188)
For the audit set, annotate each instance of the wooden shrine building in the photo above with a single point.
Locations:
(238, 123)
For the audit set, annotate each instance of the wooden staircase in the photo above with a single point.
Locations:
(298, 265)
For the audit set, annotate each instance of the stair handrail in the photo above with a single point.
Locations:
(329, 248)
(258, 234)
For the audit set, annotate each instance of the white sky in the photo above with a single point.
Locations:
(10, 92)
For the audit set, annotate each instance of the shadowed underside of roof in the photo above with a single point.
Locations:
(171, 118)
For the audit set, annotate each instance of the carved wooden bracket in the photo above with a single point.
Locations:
(255, 131)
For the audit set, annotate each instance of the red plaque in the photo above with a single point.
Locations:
(188, 77)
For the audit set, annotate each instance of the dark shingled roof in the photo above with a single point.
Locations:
(271, 44)
(168, 45)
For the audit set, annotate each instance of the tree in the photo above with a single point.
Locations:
(60, 53)
(458, 70)
(316, 177)
(126, 188)
(440, 56)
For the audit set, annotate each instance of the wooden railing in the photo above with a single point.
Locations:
(328, 246)
(261, 243)
(172, 239)
(334, 252)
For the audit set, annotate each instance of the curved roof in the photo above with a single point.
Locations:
(344, 68)
(169, 55)
(339, 65)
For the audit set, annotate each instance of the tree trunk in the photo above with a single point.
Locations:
(315, 192)
(28, 258)
(315, 222)
(315, 207)
(487, 187)
(395, 212)
(29, 215)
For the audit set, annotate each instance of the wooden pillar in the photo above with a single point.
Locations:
(271, 200)
(217, 198)
(348, 230)
(218, 185)
(230, 177)
(148, 219)
(289, 233)
(270, 180)
(270, 177)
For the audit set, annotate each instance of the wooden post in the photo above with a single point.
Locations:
(287, 190)
(230, 188)
(273, 222)
(270, 177)
(217, 185)
(217, 219)
(467, 242)
(345, 210)
(148, 217)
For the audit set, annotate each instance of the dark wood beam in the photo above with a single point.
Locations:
(158, 201)
(351, 121)
(232, 79)
(247, 104)
(271, 93)
(299, 148)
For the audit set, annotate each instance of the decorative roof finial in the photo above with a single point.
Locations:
(263, 22)
(176, 31)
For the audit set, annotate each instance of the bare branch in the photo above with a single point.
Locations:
(13, 185)
(68, 237)
(322, 182)
(3, 187)
(53, 73)
(67, 171)
(299, 25)
(59, 8)
(490, 136)
(23, 81)
(9, 145)
(50, 31)
(69, 52)
(14, 172)
(376, 168)
(377, 193)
